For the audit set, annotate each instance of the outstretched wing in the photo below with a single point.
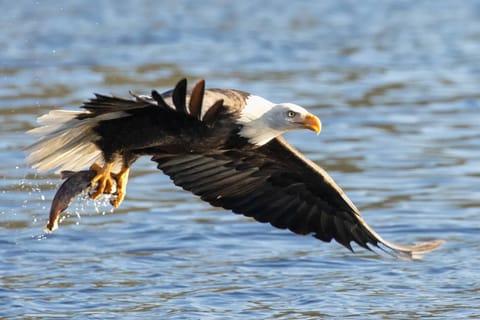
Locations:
(276, 184)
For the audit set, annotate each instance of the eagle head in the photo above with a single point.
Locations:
(262, 120)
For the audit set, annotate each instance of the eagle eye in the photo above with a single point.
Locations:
(291, 114)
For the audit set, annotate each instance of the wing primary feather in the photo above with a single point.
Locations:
(259, 196)
(324, 227)
(254, 205)
(179, 96)
(211, 115)
(196, 99)
(159, 99)
(299, 222)
(283, 213)
(340, 232)
(357, 237)
(102, 104)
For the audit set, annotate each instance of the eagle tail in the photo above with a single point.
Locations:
(67, 142)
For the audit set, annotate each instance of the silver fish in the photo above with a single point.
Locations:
(75, 183)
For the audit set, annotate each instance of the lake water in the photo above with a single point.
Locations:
(396, 84)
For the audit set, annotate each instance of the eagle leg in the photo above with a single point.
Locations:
(122, 179)
(103, 179)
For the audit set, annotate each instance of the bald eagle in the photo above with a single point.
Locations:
(223, 145)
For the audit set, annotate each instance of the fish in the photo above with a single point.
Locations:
(76, 182)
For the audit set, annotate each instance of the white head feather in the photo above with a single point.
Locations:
(263, 120)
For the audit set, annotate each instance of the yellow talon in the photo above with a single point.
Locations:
(122, 179)
(103, 179)
(106, 180)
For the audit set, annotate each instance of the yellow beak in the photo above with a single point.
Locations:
(313, 123)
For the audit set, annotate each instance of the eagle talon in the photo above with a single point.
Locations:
(121, 178)
(103, 179)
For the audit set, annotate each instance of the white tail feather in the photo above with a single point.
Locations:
(67, 143)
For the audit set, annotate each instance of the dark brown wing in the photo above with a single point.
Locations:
(103, 104)
(276, 184)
